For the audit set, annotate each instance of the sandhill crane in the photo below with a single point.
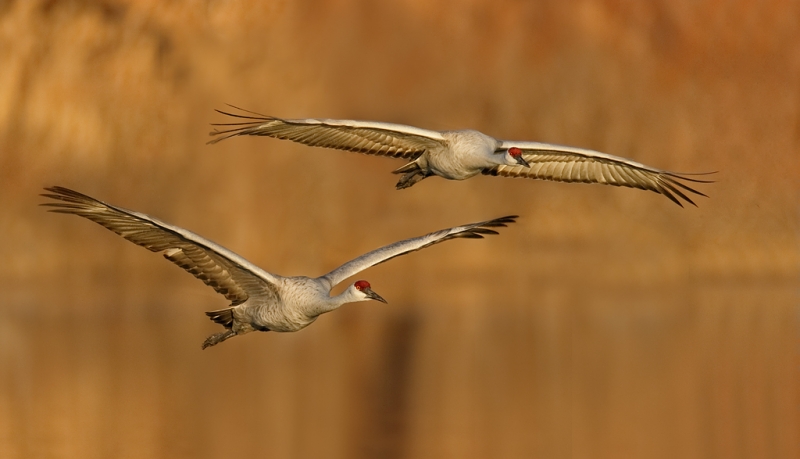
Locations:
(260, 301)
(458, 155)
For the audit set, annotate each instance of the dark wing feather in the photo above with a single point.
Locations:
(567, 164)
(224, 271)
(374, 138)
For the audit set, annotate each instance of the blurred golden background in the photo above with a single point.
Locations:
(607, 323)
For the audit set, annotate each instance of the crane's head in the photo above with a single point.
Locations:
(364, 291)
(513, 157)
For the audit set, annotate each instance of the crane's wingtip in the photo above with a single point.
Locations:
(686, 176)
(227, 134)
(61, 192)
(695, 173)
(503, 220)
(246, 110)
(481, 230)
(258, 116)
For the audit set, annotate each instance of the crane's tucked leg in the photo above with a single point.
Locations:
(217, 338)
(409, 180)
(223, 317)
(412, 173)
(234, 325)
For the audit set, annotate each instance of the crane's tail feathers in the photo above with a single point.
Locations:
(223, 317)
(410, 167)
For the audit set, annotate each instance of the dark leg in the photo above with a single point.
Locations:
(410, 178)
(217, 338)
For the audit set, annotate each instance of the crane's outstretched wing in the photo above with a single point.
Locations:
(224, 271)
(471, 231)
(567, 164)
(369, 137)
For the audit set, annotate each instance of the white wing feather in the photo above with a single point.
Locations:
(473, 231)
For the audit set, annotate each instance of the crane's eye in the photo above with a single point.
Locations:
(514, 152)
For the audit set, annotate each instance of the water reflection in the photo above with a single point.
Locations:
(681, 370)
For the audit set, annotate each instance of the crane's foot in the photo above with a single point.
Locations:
(410, 179)
(217, 338)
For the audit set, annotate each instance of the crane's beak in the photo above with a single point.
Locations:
(521, 161)
(374, 296)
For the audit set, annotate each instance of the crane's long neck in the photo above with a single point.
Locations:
(349, 295)
(333, 302)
